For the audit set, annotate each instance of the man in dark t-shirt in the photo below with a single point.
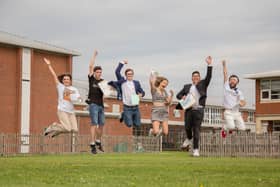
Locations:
(96, 106)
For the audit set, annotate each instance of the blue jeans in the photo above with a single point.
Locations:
(131, 116)
(96, 114)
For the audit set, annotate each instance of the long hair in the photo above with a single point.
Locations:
(159, 80)
(60, 77)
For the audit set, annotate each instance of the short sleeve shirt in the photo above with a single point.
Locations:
(232, 97)
(95, 93)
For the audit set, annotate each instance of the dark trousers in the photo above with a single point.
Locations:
(193, 120)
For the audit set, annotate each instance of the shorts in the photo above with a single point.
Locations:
(96, 114)
(131, 116)
(234, 120)
(160, 114)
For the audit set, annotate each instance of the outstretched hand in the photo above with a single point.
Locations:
(48, 62)
(125, 61)
(209, 60)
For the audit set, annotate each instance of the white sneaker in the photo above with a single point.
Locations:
(159, 132)
(196, 153)
(186, 144)
(150, 132)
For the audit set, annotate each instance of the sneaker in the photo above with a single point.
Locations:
(196, 153)
(223, 133)
(93, 149)
(56, 133)
(45, 133)
(140, 147)
(151, 132)
(159, 132)
(99, 146)
(186, 144)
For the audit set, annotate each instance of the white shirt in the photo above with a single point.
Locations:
(196, 94)
(232, 97)
(66, 105)
(128, 89)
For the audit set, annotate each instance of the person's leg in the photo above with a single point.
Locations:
(229, 120)
(93, 110)
(64, 124)
(101, 121)
(127, 116)
(197, 116)
(188, 124)
(74, 124)
(239, 121)
(64, 120)
(188, 128)
(165, 128)
(155, 127)
(136, 118)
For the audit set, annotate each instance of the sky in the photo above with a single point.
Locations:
(171, 37)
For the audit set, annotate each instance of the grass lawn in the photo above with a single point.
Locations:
(138, 169)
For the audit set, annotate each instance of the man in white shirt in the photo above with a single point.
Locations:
(130, 92)
(233, 100)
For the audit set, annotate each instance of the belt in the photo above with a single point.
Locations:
(197, 107)
(133, 106)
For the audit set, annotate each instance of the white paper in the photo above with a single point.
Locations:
(188, 102)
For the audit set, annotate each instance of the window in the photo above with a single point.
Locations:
(270, 89)
(251, 116)
(276, 125)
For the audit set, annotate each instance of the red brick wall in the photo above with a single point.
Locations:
(43, 106)
(265, 108)
(10, 89)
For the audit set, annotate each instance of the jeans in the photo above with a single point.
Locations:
(96, 114)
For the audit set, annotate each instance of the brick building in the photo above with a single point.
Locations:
(28, 93)
(267, 100)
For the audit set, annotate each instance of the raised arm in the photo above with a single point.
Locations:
(209, 70)
(48, 62)
(225, 71)
(152, 82)
(119, 68)
(91, 63)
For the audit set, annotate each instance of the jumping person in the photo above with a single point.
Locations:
(194, 115)
(65, 109)
(233, 100)
(161, 101)
(130, 92)
(96, 105)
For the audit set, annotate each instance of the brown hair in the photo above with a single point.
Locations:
(159, 80)
(97, 68)
(127, 70)
(61, 77)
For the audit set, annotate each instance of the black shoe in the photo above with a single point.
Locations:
(55, 134)
(99, 146)
(45, 133)
(121, 119)
(93, 149)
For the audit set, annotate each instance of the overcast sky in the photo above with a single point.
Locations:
(172, 37)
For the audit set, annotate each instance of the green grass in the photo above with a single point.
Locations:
(141, 169)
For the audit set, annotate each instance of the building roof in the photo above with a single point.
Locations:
(8, 38)
(270, 74)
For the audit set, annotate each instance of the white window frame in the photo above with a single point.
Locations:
(269, 99)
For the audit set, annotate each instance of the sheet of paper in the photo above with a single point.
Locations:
(135, 99)
(187, 102)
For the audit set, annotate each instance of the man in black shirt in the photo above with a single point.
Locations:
(96, 106)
